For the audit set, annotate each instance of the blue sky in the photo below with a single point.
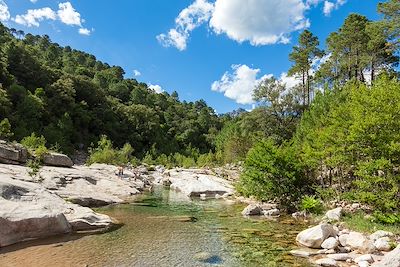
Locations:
(187, 45)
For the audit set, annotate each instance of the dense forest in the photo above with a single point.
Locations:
(334, 136)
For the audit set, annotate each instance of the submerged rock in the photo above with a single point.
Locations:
(252, 210)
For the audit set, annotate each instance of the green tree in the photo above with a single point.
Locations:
(303, 56)
(5, 129)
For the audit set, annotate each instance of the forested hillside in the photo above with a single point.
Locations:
(71, 98)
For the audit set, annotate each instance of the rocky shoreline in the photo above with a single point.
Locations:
(58, 200)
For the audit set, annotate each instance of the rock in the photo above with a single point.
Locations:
(363, 264)
(356, 240)
(334, 215)
(12, 153)
(166, 181)
(330, 243)
(340, 256)
(391, 259)
(193, 183)
(326, 262)
(368, 258)
(268, 206)
(299, 215)
(302, 253)
(313, 237)
(380, 234)
(207, 258)
(57, 160)
(343, 239)
(252, 210)
(20, 222)
(271, 213)
(383, 244)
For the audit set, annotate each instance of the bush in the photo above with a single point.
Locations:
(33, 142)
(311, 205)
(273, 172)
(105, 153)
(5, 129)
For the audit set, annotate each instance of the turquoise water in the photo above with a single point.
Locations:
(164, 228)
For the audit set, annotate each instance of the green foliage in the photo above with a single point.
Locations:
(5, 129)
(311, 204)
(34, 142)
(273, 173)
(362, 223)
(388, 218)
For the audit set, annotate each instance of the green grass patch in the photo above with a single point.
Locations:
(358, 222)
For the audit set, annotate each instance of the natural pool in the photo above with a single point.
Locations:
(164, 228)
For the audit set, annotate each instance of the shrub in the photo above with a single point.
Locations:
(311, 205)
(33, 142)
(105, 153)
(5, 129)
(273, 172)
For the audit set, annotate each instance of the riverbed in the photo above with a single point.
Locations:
(165, 228)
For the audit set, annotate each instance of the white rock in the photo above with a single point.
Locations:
(363, 264)
(340, 256)
(194, 182)
(334, 215)
(380, 234)
(326, 262)
(273, 212)
(355, 240)
(302, 253)
(315, 236)
(330, 243)
(382, 244)
(343, 239)
(366, 257)
(391, 259)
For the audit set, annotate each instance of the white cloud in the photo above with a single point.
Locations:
(188, 19)
(240, 84)
(137, 73)
(68, 14)
(156, 88)
(34, 16)
(4, 13)
(84, 31)
(261, 22)
(330, 6)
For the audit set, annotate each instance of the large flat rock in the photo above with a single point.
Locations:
(194, 183)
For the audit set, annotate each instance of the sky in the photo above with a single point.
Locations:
(216, 50)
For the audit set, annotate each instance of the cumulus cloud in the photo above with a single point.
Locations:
(188, 19)
(33, 1)
(137, 73)
(34, 16)
(4, 13)
(68, 14)
(85, 31)
(260, 22)
(156, 88)
(330, 6)
(239, 84)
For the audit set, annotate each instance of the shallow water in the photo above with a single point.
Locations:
(166, 229)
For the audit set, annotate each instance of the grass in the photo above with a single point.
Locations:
(358, 222)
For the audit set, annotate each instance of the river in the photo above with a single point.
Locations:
(164, 228)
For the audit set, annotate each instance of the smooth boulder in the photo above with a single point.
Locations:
(57, 160)
(334, 215)
(12, 153)
(252, 210)
(315, 236)
(20, 222)
(391, 259)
